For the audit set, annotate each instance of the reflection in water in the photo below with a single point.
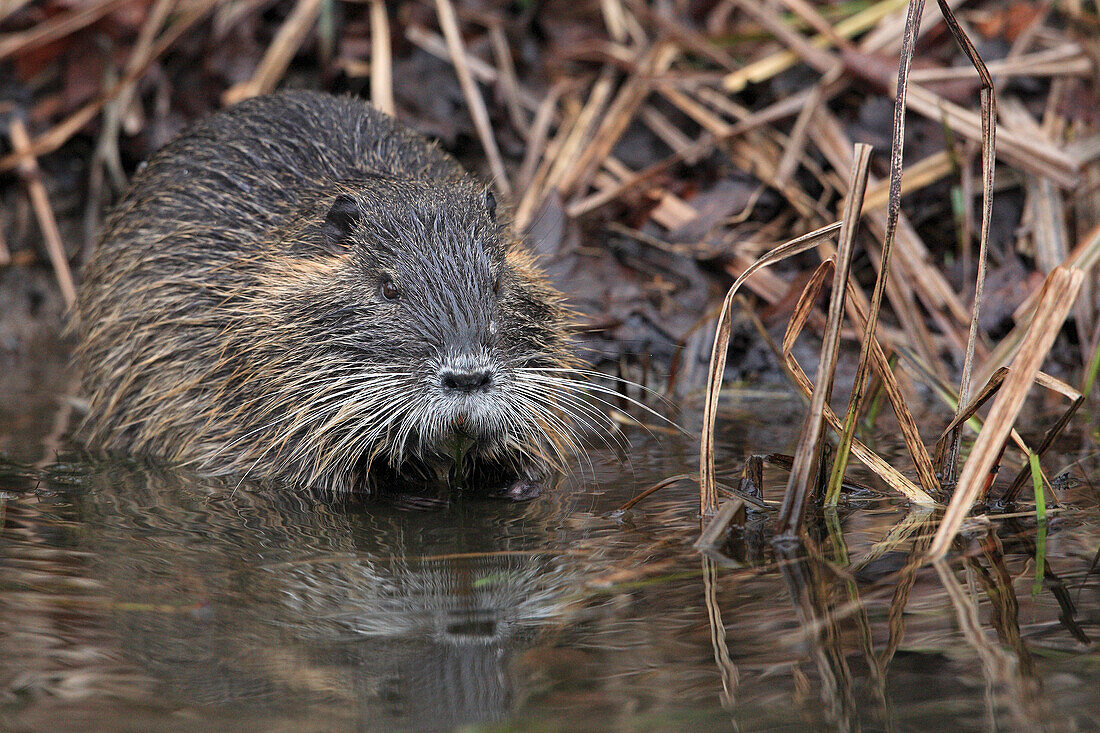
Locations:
(266, 600)
(139, 598)
(932, 682)
(50, 610)
(809, 591)
(726, 666)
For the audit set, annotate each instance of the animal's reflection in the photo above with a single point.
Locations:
(254, 597)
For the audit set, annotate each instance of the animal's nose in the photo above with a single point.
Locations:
(466, 380)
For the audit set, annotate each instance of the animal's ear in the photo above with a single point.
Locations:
(341, 219)
(490, 202)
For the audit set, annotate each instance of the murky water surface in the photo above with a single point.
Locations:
(135, 598)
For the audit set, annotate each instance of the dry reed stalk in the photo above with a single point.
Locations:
(482, 71)
(779, 62)
(991, 387)
(537, 137)
(813, 19)
(708, 491)
(614, 19)
(691, 41)
(106, 154)
(1054, 202)
(1057, 385)
(1065, 60)
(662, 484)
(9, 7)
(768, 287)
(1028, 154)
(381, 60)
(509, 83)
(288, 39)
(1084, 257)
(916, 176)
(808, 453)
(934, 290)
(671, 211)
(752, 473)
(537, 168)
(81, 16)
(989, 151)
(926, 473)
(1012, 492)
(671, 135)
(885, 22)
(912, 23)
(969, 412)
(1059, 292)
(620, 113)
(776, 111)
(887, 36)
(925, 282)
(1047, 209)
(690, 106)
(584, 128)
(832, 141)
(150, 27)
(566, 147)
(59, 134)
(710, 539)
(813, 55)
(890, 475)
(796, 141)
(106, 160)
(805, 308)
(448, 22)
(750, 155)
(43, 212)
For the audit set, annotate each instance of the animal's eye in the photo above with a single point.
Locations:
(389, 290)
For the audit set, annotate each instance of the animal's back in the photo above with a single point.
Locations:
(247, 168)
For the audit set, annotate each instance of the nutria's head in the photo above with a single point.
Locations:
(400, 323)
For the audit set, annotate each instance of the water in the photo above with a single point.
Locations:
(137, 598)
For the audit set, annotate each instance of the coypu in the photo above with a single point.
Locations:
(300, 288)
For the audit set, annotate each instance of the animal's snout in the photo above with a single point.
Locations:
(466, 380)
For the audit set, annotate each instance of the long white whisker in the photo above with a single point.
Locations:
(578, 410)
(577, 385)
(593, 374)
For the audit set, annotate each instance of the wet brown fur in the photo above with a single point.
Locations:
(221, 326)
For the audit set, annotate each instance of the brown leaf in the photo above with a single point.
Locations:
(1009, 22)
